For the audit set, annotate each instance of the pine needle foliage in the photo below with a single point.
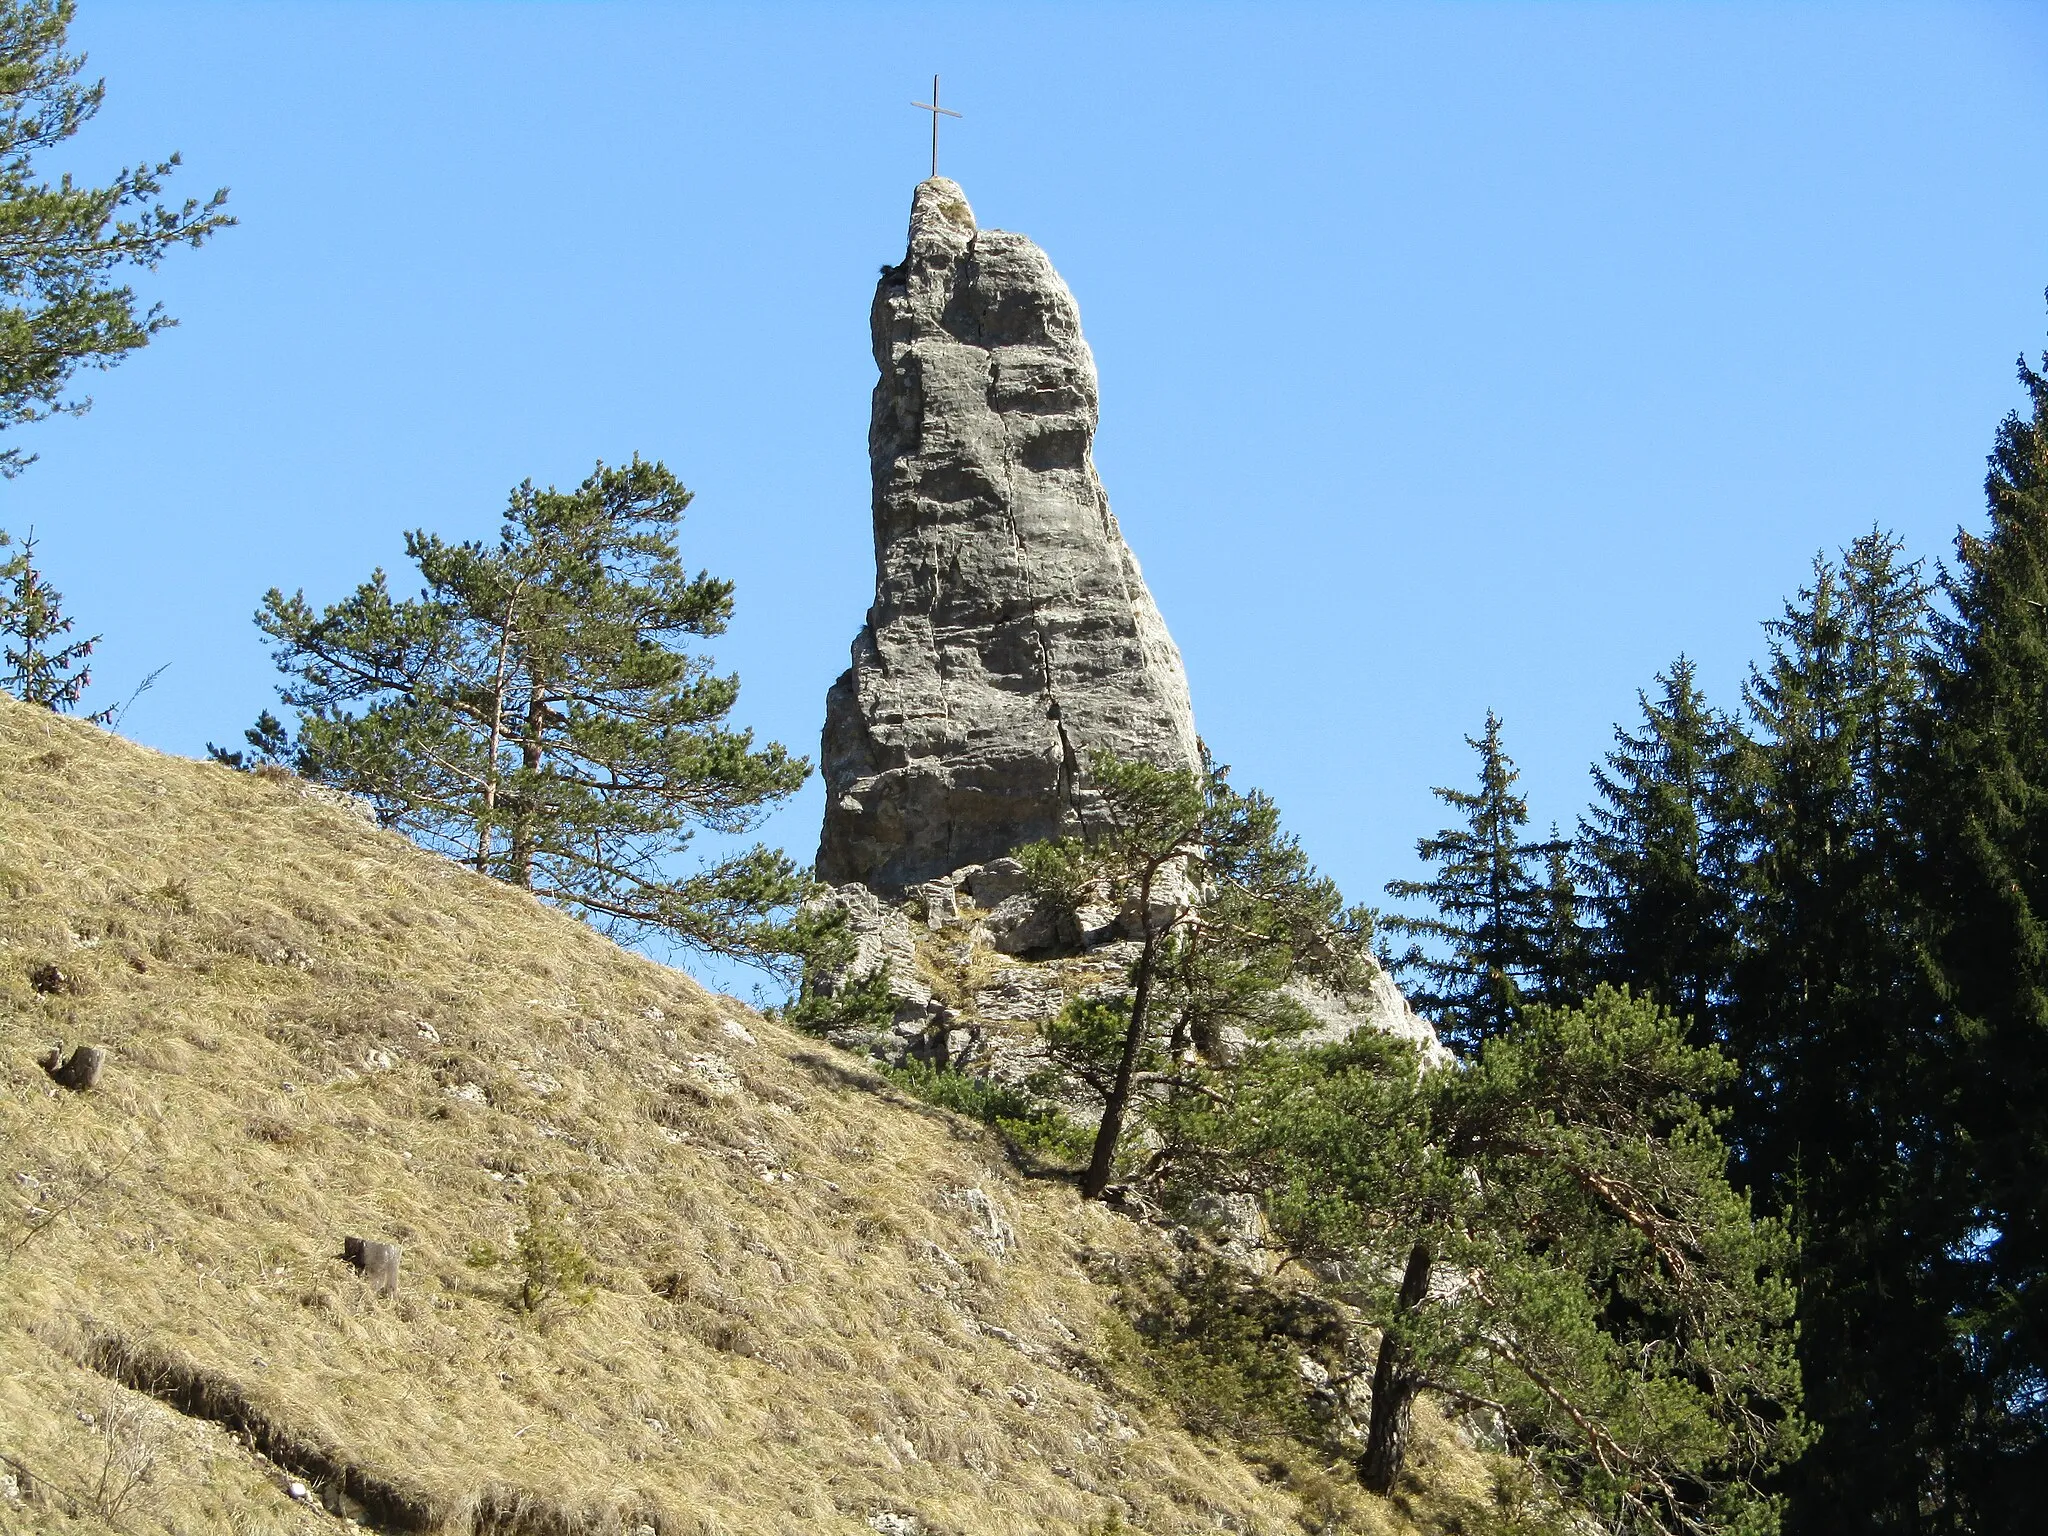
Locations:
(553, 1268)
(534, 712)
(63, 245)
(1547, 1237)
(1229, 910)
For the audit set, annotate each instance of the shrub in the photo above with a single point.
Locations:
(553, 1268)
(1029, 1122)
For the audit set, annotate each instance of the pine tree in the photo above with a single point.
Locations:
(1547, 1235)
(1984, 807)
(1654, 853)
(43, 667)
(1489, 933)
(534, 713)
(1231, 911)
(63, 246)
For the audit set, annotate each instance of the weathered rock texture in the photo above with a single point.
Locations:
(1011, 633)
(1011, 636)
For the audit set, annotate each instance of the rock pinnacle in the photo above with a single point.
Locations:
(1011, 633)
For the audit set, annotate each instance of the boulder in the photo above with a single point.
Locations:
(1024, 924)
(376, 1262)
(995, 882)
(80, 1071)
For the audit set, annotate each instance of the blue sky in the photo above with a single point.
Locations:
(1452, 357)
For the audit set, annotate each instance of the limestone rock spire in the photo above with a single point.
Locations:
(1011, 633)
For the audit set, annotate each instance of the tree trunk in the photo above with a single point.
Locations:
(486, 824)
(1394, 1385)
(1096, 1180)
(530, 752)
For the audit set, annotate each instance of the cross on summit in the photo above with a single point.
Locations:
(937, 112)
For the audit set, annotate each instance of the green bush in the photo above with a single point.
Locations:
(1027, 1121)
(553, 1268)
(1224, 1351)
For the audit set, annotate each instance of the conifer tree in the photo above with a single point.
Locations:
(1230, 911)
(1490, 928)
(1563, 966)
(534, 713)
(1654, 852)
(43, 666)
(1821, 803)
(1548, 1236)
(1984, 807)
(1829, 1016)
(63, 245)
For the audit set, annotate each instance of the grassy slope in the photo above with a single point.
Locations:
(806, 1313)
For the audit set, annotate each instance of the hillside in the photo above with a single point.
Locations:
(818, 1306)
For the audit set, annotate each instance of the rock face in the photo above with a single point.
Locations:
(1011, 636)
(1011, 633)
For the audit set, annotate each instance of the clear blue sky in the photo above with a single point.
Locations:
(1452, 357)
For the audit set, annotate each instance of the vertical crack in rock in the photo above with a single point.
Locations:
(1011, 633)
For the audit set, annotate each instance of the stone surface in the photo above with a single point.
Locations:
(80, 1071)
(995, 882)
(377, 1262)
(1011, 632)
(1024, 925)
(1379, 1006)
(882, 937)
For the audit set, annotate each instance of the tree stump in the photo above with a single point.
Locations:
(79, 1071)
(377, 1262)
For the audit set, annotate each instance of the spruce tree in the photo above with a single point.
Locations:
(1821, 800)
(1984, 808)
(1655, 856)
(42, 665)
(1564, 960)
(1828, 1016)
(534, 713)
(1487, 938)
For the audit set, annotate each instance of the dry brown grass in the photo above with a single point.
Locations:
(816, 1301)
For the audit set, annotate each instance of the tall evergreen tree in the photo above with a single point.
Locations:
(1827, 1015)
(1485, 942)
(1985, 810)
(1820, 800)
(534, 713)
(1653, 852)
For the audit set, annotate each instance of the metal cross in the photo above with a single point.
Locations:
(937, 112)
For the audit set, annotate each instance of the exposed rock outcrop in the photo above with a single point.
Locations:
(1379, 1005)
(1011, 636)
(1011, 633)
